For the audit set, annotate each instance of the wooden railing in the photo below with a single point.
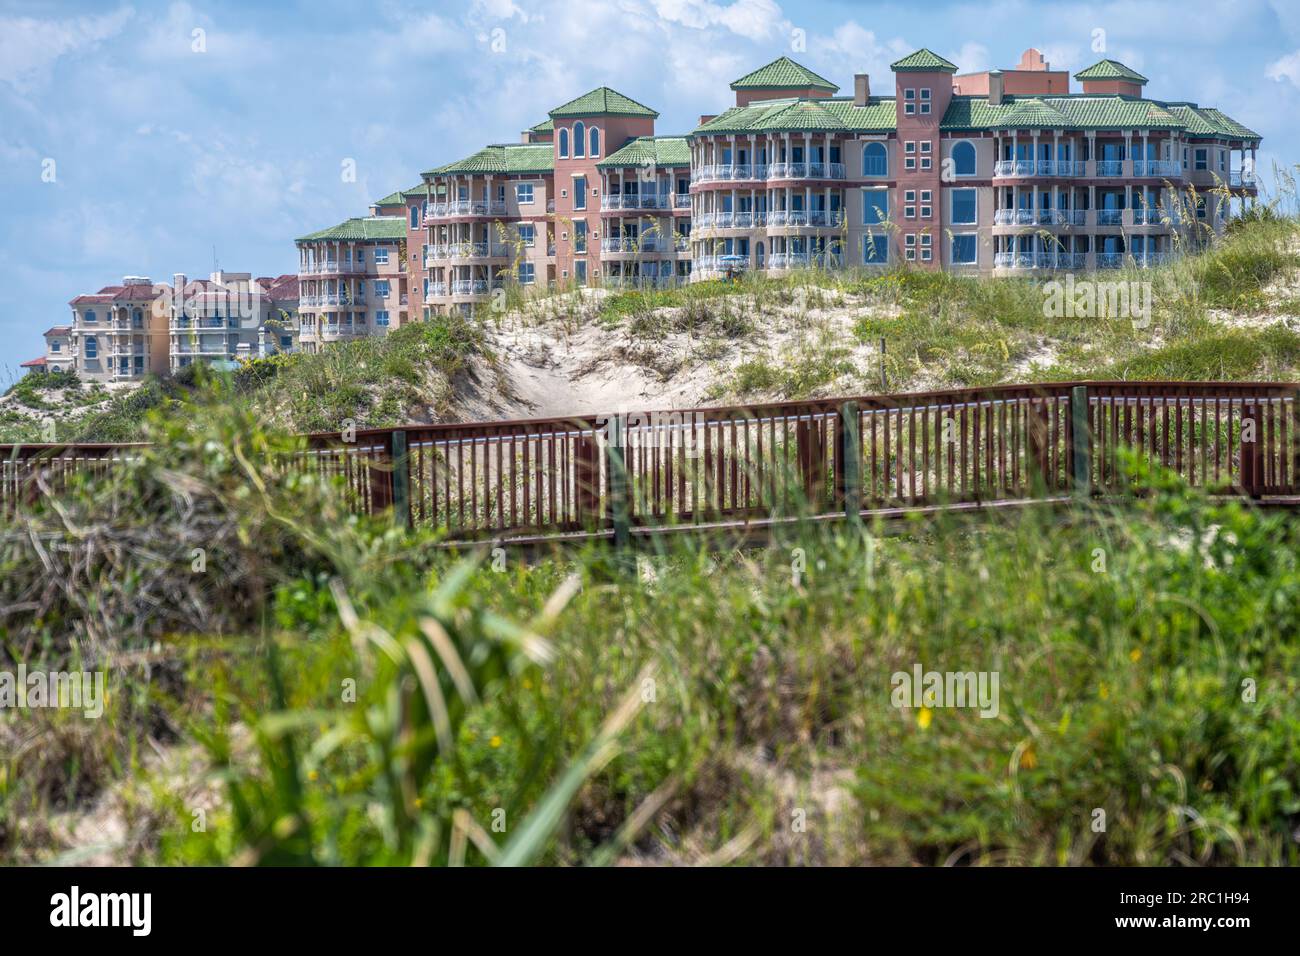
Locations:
(739, 464)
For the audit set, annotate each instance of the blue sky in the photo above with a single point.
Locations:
(167, 142)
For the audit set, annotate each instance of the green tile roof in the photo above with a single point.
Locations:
(1110, 70)
(1034, 113)
(398, 198)
(1077, 111)
(370, 227)
(545, 126)
(923, 61)
(832, 113)
(783, 73)
(603, 102)
(650, 151)
(509, 159)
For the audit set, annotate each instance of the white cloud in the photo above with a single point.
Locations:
(29, 47)
(752, 19)
(1286, 68)
(971, 58)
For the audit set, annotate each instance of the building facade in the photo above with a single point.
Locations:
(352, 280)
(1001, 172)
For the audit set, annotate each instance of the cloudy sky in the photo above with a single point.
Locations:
(135, 140)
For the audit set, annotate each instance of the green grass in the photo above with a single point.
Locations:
(362, 697)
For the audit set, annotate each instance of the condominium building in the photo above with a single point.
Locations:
(352, 280)
(998, 172)
(229, 317)
(123, 332)
(119, 333)
(956, 171)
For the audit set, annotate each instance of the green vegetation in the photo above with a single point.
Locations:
(348, 693)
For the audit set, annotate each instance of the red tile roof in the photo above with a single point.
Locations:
(284, 287)
(58, 330)
(34, 363)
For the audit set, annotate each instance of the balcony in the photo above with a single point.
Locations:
(1241, 178)
(469, 287)
(1040, 260)
(470, 207)
(720, 263)
(1148, 216)
(682, 201)
(1026, 168)
(1110, 217)
(1015, 217)
(635, 201)
(759, 172)
(729, 220)
(436, 290)
(634, 244)
(331, 267)
(810, 218)
(806, 171)
(805, 260)
(1157, 169)
(1110, 167)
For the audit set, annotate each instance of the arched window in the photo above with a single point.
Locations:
(92, 347)
(963, 159)
(579, 138)
(595, 143)
(138, 319)
(875, 160)
(564, 142)
(415, 217)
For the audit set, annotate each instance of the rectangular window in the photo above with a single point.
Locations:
(910, 240)
(875, 206)
(909, 195)
(909, 147)
(381, 318)
(927, 212)
(527, 233)
(579, 192)
(381, 288)
(963, 206)
(909, 162)
(875, 249)
(925, 145)
(964, 250)
(524, 193)
(527, 273)
(1202, 159)
(925, 162)
(580, 271)
(925, 239)
(909, 212)
(580, 236)
(926, 255)
(381, 256)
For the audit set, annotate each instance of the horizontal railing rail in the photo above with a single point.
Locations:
(739, 464)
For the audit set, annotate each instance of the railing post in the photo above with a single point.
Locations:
(848, 460)
(379, 476)
(397, 451)
(1080, 442)
(615, 463)
(586, 474)
(1252, 454)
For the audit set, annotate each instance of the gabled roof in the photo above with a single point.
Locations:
(505, 159)
(923, 61)
(650, 151)
(283, 288)
(829, 113)
(1034, 113)
(783, 73)
(603, 101)
(545, 126)
(361, 230)
(33, 363)
(58, 330)
(1110, 70)
(1076, 111)
(397, 198)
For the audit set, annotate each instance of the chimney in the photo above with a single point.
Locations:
(706, 117)
(995, 87)
(861, 89)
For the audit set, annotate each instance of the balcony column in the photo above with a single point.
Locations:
(1128, 153)
(1146, 156)
(753, 152)
(1034, 167)
(1015, 147)
(1091, 137)
(807, 152)
(1056, 153)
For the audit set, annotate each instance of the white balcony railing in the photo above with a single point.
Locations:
(798, 260)
(1241, 177)
(1110, 167)
(719, 264)
(636, 201)
(467, 207)
(1110, 217)
(745, 172)
(634, 244)
(1158, 168)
